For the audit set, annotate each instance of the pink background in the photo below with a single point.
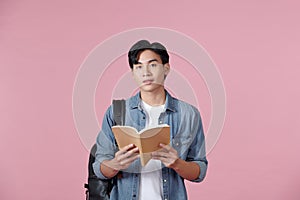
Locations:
(255, 45)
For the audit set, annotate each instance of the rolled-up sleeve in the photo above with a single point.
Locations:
(197, 152)
(105, 142)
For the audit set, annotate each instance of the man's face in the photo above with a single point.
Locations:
(150, 73)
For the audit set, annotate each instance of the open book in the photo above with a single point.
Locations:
(147, 140)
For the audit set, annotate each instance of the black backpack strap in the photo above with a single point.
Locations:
(119, 110)
(92, 160)
(96, 188)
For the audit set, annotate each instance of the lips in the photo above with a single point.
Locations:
(147, 82)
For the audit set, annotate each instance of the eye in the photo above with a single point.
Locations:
(138, 67)
(153, 64)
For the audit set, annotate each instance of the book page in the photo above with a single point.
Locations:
(126, 135)
(151, 138)
(147, 140)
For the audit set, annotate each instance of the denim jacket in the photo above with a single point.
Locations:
(186, 133)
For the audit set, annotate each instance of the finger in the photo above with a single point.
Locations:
(162, 159)
(166, 161)
(127, 154)
(164, 146)
(124, 149)
(131, 152)
(163, 154)
(129, 160)
(161, 150)
(168, 148)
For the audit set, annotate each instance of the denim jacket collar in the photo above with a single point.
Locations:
(135, 102)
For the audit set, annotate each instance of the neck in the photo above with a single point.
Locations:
(154, 98)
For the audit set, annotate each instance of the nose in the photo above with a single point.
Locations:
(146, 71)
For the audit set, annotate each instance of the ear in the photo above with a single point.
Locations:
(166, 69)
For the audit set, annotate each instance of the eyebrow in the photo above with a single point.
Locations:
(149, 61)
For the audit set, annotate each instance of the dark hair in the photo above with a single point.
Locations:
(146, 45)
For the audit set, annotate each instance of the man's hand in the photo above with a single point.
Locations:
(123, 158)
(167, 155)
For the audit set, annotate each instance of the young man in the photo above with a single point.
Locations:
(185, 158)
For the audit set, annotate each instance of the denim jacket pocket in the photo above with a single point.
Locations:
(181, 144)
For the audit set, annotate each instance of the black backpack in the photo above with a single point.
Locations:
(96, 188)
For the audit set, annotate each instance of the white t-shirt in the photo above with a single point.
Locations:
(151, 176)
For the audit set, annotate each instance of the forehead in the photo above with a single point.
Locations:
(148, 55)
